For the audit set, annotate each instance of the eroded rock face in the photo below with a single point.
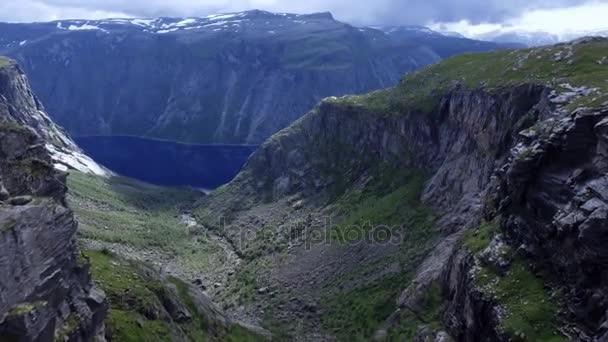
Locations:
(46, 292)
(458, 144)
(511, 154)
(19, 105)
(552, 198)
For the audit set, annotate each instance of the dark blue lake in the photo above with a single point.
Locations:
(168, 163)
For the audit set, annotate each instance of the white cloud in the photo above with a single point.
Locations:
(32, 10)
(382, 12)
(563, 22)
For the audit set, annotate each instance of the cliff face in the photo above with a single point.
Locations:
(20, 106)
(232, 78)
(45, 288)
(515, 174)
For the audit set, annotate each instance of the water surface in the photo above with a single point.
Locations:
(166, 162)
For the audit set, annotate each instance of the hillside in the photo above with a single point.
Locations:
(49, 289)
(230, 78)
(471, 195)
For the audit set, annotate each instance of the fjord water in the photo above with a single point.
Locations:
(165, 162)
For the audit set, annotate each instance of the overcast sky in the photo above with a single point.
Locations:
(465, 16)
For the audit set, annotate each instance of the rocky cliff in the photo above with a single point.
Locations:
(503, 238)
(229, 78)
(46, 289)
(46, 292)
(19, 105)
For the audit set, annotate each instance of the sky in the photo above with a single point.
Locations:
(470, 17)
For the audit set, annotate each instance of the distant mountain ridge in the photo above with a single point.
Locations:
(224, 78)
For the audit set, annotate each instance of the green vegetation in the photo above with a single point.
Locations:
(392, 200)
(25, 308)
(357, 313)
(554, 66)
(69, 326)
(136, 301)
(132, 298)
(429, 316)
(477, 240)
(530, 312)
(8, 225)
(12, 126)
(122, 210)
(4, 62)
(132, 327)
(198, 320)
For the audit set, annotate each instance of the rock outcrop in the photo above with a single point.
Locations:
(46, 292)
(516, 174)
(20, 106)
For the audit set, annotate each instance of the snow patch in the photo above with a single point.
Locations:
(185, 22)
(84, 27)
(224, 16)
(64, 160)
(168, 30)
(219, 23)
(143, 22)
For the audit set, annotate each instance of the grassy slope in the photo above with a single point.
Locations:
(577, 65)
(393, 200)
(126, 211)
(133, 296)
(530, 311)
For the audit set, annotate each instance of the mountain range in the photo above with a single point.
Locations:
(468, 202)
(225, 78)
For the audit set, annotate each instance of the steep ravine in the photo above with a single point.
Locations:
(514, 175)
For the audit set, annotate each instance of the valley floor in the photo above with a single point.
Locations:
(297, 291)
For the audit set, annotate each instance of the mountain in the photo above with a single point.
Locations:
(468, 203)
(19, 106)
(522, 37)
(226, 78)
(47, 292)
(536, 38)
(445, 44)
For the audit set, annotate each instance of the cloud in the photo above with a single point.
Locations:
(564, 22)
(33, 10)
(355, 11)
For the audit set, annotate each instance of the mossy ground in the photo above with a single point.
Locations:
(530, 311)
(577, 65)
(476, 240)
(131, 297)
(356, 314)
(25, 308)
